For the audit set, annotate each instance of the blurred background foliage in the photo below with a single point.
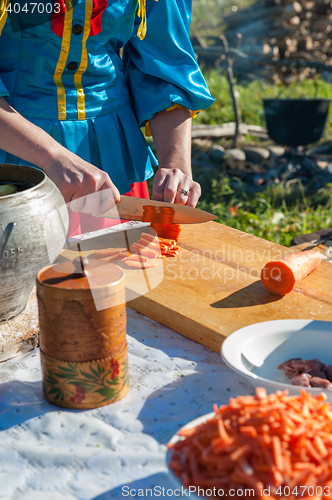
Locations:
(207, 15)
(282, 210)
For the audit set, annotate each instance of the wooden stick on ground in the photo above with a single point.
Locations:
(230, 77)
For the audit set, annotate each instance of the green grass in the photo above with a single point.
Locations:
(283, 210)
(207, 15)
(278, 214)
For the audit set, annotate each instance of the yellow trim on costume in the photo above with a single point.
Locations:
(65, 45)
(141, 32)
(3, 13)
(147, 130)
(175, 106)
(193, 113)
(84, 61)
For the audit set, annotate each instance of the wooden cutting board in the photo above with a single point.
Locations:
(212, 288)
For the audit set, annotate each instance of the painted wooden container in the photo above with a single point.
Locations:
(82, 321)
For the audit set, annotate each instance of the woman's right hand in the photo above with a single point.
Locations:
(84, 187)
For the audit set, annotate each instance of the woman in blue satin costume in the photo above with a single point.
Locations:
(72, 106)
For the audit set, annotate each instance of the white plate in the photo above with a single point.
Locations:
(256, 350)
(194, 423)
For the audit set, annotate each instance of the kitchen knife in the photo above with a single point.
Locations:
(130, 208)
(320, 241)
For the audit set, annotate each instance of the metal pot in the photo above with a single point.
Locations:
(41, 224)
(295, 122)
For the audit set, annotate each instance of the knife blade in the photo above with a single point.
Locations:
(130, 208)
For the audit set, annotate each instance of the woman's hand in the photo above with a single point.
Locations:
(173, 186)
(84, 187)
(173, 182)
(87, 188)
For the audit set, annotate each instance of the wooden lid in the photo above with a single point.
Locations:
(79, 274)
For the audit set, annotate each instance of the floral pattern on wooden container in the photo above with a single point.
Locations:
(84, 385)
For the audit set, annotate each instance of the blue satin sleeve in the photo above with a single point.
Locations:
(3, 91)
(162, 70)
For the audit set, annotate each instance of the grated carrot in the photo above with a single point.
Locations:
(260, 441)
(248, 430)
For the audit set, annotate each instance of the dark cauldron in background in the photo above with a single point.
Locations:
(295, 122)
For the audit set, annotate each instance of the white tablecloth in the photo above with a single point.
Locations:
(117, 451)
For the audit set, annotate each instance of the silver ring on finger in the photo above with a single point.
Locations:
(185, 191)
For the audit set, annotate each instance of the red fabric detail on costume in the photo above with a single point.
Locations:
(57, 20)
(139, 190)
(98, 8)
(84, 223)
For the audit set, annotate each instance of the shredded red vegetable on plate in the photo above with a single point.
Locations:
(277, 445)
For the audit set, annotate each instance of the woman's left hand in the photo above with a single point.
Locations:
(173, 183)
(173, 186)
